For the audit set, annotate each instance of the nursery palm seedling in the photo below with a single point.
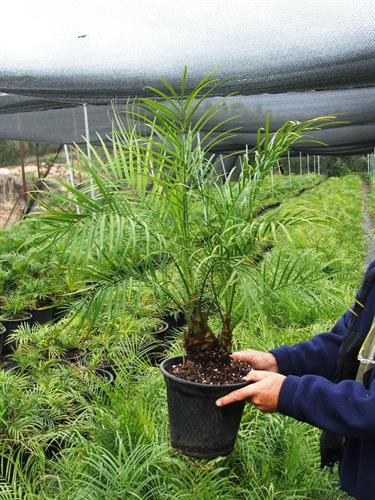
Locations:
(159, 198)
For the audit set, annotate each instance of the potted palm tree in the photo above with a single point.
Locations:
(158, 190)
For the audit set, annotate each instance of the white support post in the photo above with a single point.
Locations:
(300, 168)
(223, 167)
(70, 174)
(289, 171)
(308, 164)
(87, 138)
(318, 165)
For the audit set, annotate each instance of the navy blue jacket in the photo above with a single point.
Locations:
(346, 408)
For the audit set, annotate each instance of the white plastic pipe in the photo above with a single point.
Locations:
(70, 174)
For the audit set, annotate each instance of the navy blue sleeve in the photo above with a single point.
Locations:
(315, 356)
(346, 408)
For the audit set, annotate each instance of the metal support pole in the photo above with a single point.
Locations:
(300, 168)
(368, 164)
(70, 174)
(70, 171)
(318, 165)
(37, 159)
(289, 170)
(22, 161)
(308, 164)
(314, 164)
(223, 167)
(88, 149)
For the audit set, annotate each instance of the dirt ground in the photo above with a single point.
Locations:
(11, 191)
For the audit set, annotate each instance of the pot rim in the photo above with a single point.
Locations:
(25, 316)
(164, 326)
(183, 381)
(101, 372)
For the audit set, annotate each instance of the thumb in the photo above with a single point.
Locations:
(257, 375)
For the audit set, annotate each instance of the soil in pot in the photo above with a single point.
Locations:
(198, 427)
(75, 355)
(11, 325)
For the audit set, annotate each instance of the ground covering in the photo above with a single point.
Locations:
(66, 433)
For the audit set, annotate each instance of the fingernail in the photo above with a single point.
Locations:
(219, 403)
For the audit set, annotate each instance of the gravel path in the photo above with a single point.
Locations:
(368, 224)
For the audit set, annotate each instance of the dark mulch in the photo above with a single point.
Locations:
(211, 373)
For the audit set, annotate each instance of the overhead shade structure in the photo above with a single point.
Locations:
(291, 59)
(38, 120)
(10, 103)
(100, 49)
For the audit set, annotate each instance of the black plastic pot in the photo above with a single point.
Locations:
(10, 326)
(156, 348)
(107, 370)
(175, 321)
(58, 312)
(41, 316)
(105, 374)
(2, 336)
(8, 364)
(198, 427)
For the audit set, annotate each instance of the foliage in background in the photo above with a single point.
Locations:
(331, 166)
(67, 435)
(8, 153)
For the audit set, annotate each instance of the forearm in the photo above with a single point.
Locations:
(346, 408)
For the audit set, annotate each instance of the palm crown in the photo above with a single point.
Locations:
(162, 212)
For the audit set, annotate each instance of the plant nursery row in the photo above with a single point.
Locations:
(83, 409)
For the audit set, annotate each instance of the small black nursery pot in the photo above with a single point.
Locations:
(7, 364)
(76, 356)
(105, 374)
(157, 347)
(2, 336)
(198, 427)
(107, 371)
(10, 326)
(42, 316)
(174, 320)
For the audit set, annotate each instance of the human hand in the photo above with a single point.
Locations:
(263, 393)
(257, 359)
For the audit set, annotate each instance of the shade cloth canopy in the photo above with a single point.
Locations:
(95, 48)
(292, 59)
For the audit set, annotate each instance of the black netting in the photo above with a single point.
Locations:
(112, 48)
(39, 120)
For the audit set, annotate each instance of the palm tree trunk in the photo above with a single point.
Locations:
(200, 343)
